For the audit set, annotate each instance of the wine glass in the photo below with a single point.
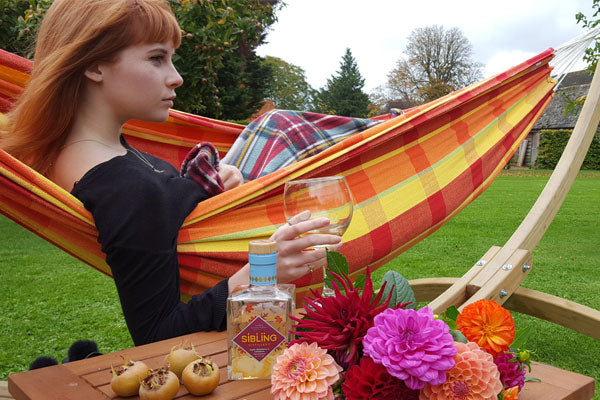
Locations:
(328, 197)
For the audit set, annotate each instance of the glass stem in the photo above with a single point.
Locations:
(327, 291)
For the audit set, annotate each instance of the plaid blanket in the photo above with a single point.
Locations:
(281, 137)
(202, 166)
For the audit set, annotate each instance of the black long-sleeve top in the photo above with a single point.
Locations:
(138, 213)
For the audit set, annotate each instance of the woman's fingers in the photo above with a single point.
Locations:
(303, 216)
(297, 254)
(297, 265)
(230, 176)
(234, 178)
(294, 254)
(299, 227)
(332, 242)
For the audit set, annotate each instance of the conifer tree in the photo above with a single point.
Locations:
(344, 93)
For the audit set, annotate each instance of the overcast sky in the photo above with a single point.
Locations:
(314, 34)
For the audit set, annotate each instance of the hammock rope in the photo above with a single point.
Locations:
(569, 53)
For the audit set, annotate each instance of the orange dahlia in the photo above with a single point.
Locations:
(474, 377)
(510, 393)
(488, 324)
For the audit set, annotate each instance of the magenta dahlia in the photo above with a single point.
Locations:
(412, 345)
(339, 323)
(511, 373)
(370, 380)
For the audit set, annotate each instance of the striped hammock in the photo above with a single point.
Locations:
(408, 175)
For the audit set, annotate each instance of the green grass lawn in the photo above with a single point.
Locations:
(49, 299)
(565, 262)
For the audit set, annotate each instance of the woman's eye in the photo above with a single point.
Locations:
(156, 59)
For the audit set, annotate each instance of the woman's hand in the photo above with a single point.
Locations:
(230, 176)
(293, 261)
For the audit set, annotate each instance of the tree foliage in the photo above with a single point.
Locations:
(343, 94)
(19, 22)
(223, 76)
(438, 62)
(288, 88)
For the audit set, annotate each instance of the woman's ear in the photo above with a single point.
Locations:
(94, 73)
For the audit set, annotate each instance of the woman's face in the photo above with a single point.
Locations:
(141, 83)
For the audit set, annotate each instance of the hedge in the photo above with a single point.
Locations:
(552, 144)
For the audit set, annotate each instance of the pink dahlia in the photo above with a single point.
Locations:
(372, 381)
(339, 323)
(412, 345)
(474, 377)
(511, 373)
(304, 372)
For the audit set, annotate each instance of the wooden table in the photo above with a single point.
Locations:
(90, 379)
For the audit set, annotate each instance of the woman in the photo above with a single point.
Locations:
(99, 63)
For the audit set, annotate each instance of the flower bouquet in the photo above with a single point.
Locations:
(361, 345)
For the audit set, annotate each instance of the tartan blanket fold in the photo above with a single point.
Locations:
(202, 166)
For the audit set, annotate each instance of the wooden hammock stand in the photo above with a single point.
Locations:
(498, 274)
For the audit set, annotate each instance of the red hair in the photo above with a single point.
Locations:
(73, 36)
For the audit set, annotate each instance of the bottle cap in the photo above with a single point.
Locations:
(263, 262)
(263, 246)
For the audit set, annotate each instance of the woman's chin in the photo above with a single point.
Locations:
(156, 117)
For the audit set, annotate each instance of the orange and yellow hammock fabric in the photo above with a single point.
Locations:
(408, 175)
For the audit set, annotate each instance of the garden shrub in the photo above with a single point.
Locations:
(552, 145)
(19, 22)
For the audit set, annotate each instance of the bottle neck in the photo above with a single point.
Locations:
(263, 269)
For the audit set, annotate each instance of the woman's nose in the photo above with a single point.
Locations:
(174, 79)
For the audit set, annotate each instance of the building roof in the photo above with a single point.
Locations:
(573, 86)
(576, 78)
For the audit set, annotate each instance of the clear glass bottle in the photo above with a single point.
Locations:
(258, 318)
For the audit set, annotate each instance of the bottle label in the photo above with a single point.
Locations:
(259, 339)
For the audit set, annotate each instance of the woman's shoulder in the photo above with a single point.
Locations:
(75, 162)
(126, 173)
(133, 199)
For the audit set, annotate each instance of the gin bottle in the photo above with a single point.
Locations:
(258, 318)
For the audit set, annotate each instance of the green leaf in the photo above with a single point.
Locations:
(458, 336)
(449, 316)
(360, 281)
(521, 337)
(337, 263)
(452, 313)
(529, 379)
(402, 291)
